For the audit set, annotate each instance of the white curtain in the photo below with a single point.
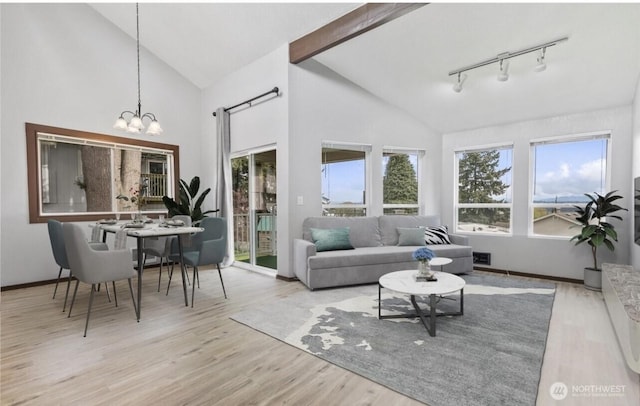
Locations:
(223, 193)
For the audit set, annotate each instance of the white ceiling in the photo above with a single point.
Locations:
(206, 41)
(406, 62)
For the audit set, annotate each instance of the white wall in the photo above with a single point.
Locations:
(635, 248)
(263, 124)
(325, 106)
(545, 256)
(65, 65)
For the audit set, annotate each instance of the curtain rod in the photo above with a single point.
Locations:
(274, 90)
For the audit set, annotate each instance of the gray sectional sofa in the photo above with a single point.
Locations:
(376, 252)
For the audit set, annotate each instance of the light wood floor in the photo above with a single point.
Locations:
(177, 355)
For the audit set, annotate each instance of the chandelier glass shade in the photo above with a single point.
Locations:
(131, 121)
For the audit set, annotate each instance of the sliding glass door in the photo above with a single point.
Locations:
(255, 208)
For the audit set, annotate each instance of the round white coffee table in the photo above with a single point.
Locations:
(405, 282)
(440, 261)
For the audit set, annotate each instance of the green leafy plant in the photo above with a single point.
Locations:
(188, 204)
(596, 231)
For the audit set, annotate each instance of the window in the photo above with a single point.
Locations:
(483, 203)
(344, 179)
(400, 184)
(563, 170)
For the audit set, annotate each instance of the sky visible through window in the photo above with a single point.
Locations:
(344, 182)
(564, 172)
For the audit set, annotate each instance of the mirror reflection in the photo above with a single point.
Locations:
(85, 174)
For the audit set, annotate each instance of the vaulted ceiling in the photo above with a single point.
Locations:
(406, 61)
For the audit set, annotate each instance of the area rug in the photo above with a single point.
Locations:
(492, 355)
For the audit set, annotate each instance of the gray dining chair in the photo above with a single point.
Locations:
(161, 248)
(60, 255)
(208, 247)
(95, 267)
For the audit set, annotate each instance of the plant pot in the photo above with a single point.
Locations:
(593, 279)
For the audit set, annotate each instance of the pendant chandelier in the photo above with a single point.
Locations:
(135, 125)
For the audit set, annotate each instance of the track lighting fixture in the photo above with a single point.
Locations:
(503, 75)
(503, 60)
(541, 63)
(457, 87)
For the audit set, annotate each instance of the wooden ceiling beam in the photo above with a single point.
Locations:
(350, 25)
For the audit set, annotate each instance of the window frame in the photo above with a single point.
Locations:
(456, 203)
(420, 154)
(366, 148)
(562, 139)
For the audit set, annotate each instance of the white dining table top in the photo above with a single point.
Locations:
(150, 230)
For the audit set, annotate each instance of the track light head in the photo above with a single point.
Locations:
(503, 75)
(457, 87)
(542, 65)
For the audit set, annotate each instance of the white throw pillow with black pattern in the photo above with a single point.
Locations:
(436, 235)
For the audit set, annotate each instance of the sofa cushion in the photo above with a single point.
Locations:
(389, 225)
(331, 239)
(376, 256)
(437, 235)
(411, 236)
(363, 231)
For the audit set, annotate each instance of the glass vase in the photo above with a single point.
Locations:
(138, 218)
(424, 269)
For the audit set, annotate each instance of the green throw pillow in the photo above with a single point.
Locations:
(331, 239)
(411, 236)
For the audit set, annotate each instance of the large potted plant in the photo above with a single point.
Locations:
(597, 231)
(188, 203)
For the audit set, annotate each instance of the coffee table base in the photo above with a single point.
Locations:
(430, 325)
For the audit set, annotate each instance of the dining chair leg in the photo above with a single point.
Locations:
(133, 299)
(106, 288)
(73, 299)
(170, 276)
(57, 280)
(86, 325)
(66, 295)
(198, 279)
(160, 274)
(221, 281)
(193, 285)
(115, 295)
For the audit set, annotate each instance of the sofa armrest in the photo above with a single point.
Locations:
(302, 250)
(459, 239)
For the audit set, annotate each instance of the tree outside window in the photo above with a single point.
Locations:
(400, 182)
(484, 190)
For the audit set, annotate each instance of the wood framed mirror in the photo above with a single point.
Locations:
(77, 175)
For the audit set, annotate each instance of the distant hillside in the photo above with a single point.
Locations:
(564, 199)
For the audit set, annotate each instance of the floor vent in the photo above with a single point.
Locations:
(482, 258)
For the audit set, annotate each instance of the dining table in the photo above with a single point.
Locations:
(142, 231)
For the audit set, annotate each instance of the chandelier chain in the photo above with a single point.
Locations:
(138, 54)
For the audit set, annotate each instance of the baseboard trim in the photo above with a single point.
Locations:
(529, 275)
(286, 278)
